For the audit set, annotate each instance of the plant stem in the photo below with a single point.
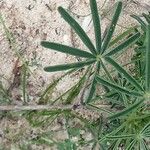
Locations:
(42, 107)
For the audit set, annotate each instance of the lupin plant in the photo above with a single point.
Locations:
(98, 55)
(133, 117)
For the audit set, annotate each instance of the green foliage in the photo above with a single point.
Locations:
(125, 122)
(97, 55)
(140, 51)
(125, 92)
(148, 59)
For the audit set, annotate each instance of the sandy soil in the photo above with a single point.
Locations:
(32, 21)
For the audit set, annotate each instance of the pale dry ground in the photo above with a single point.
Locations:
(31, 21)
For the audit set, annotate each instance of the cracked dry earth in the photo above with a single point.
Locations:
(31, 21)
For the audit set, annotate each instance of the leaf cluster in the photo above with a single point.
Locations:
(129, 127)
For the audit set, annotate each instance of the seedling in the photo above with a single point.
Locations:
(98, 55)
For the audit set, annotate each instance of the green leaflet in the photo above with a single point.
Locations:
(39, 118)
(97, 26)
(75, 90)
(49, 89)
(93, 85)
(91, 90)
(125, 44)
(148, 59)
(143, 145)
(69, 66)
(123, 35)
(131, 145)
(122, 71)
(100, 127)
(81, 33)
(116, 87)
(112, 27)
(99, 109)
(106, 71)
(24, 83)
(147, 17)
(143, 25)
(66, 49)
(127, 110)
(146, 129)
(120, 136)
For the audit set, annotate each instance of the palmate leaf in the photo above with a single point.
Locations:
(126, 75)
(81, 33)
(66, 49)
(127, 110)
(96, 22)
(117, 88)
(112, 26)
(148, 59)
(125, 44)
(69, 66)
